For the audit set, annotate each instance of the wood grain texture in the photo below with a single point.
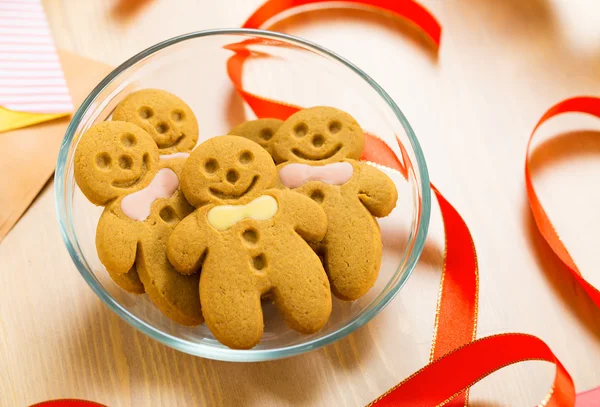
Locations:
(502, 63)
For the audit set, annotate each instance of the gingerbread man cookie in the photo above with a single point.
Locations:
(117, 166)
(317, 151)
(250, 240)
(260, 131)
(167, 118)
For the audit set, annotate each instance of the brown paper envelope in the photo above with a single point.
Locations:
(29, 154)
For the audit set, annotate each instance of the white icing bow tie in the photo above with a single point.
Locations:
(225, 216)
(295, 175)
(163, 185)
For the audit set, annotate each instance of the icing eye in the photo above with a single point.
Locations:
(125, 162)
(246, 158)
(266, 134)
(128, 140)
(300, 130)
(232, 176)
(177, 115)
(103, 161)
(318, 140)
(162, 128)
(335, 126)
(211, 165)
(145, 112)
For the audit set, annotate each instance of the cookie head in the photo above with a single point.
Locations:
(260, 131)
(318, 135)
(167, 118)
(113, 159)
(225, 170)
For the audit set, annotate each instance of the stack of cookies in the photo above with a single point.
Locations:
(277, 208)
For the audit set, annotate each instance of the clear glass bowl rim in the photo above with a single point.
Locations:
(226, 354)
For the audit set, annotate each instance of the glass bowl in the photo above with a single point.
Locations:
(193, 66)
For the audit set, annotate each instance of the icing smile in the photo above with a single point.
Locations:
(223, 195)
(325, 156)
(134, 182)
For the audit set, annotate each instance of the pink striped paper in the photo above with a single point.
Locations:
(31, 78)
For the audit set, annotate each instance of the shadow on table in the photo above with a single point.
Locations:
(396, 240)
(561, 148)
(127, 366)
(296, 380)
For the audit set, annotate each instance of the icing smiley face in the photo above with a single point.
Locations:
(167, 118)
(318, 135)
(113, 159)
(227, 169)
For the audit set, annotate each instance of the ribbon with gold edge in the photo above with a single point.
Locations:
(584, 104)
(457, 362)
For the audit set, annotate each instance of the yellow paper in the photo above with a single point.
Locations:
(11, 120)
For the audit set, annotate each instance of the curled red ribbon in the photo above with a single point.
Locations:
(457, 361)
(584, 104)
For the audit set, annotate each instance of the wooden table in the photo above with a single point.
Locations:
(502, 63)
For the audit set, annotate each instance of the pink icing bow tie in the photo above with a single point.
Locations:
(295, 175)
(137, 205)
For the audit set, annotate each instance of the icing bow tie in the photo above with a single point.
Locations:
(137, 205)
(225, 216)
(295, 175)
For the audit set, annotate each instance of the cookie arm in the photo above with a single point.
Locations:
(187, 245)
(116, 243)
(309, 217)
(376, 191)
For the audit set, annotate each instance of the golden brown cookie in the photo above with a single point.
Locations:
(168, 119)
(318, 135)
(260, 131)
(318, 148)
(250, 240)
(113, 159)
(129, 281)
(352, 248)
(139, 216)
(228, 169)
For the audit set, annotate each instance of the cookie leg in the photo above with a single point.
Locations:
(175, 294)
(231, 307)
(129, 281)
(301, 289)
(352, 260)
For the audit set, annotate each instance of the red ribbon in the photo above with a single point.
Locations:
(587, 105)
(68, 403)
(408, 9)
(457, 361)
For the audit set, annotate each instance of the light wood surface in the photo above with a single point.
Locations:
(502, 63)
